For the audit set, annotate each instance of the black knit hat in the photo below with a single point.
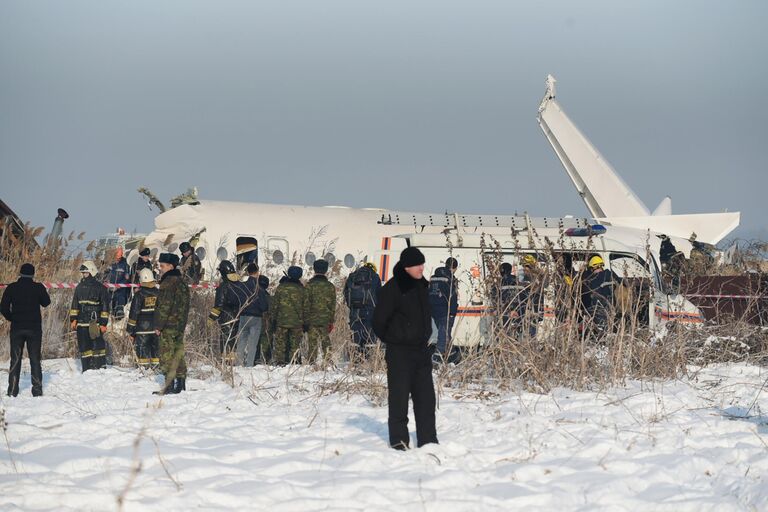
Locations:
(27, 270)
(411, 257)
(144, 252)
(169, 257)
(264, 281)
(320, 266)
(506, 268)
(451, 264)
(252, 268)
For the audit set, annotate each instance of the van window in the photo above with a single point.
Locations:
(628, 266)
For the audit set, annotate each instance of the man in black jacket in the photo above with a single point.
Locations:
(402, 320)
(250, 324)
(20, 305)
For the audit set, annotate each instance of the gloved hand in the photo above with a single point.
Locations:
(73, 325)
(330, 328)
(133, 338)
(103, 328)
(305, 328)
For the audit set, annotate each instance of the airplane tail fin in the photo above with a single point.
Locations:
(664, 208)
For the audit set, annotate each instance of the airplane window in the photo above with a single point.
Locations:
(277, 257)
(173, 247)
(200, 251)
(349, 261)
(330, 258)
(310, 258)
(221, 253)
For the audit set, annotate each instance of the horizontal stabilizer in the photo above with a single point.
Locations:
(710, 228)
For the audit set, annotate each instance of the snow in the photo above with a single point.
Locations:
(279, 439)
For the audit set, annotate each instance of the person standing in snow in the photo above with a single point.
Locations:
(171, 315)
(141, 320)
(319, 311)
(360, 294)
(287, 316)
(191, 266)
(118, 274)
(89, 316)
(20, 305)
(250, 325)
(403, 321)
(444, 300)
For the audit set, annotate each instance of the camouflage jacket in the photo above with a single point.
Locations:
(172, 302)
(90, 302)
(319, 302)
(287, 308)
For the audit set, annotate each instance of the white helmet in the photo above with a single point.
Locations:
(146, 276)
(90, 267)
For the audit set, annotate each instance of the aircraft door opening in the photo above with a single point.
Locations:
(246, 251)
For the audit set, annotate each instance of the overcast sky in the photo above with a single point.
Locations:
(426, 106)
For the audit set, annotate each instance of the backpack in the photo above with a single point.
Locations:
(359, 289)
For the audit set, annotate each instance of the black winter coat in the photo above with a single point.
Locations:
(403, 313)
(443, 293)
(257, 300)
(90, 302)
(21, 304)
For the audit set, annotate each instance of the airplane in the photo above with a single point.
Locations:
(607, 197)
(276, 236)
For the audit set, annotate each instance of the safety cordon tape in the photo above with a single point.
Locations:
(49, 285)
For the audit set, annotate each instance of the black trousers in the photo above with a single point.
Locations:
(93, 353)
(33, 338)
(409, 374)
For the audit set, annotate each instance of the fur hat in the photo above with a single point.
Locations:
(264, 281)
(294, 273)
(169, 257)
(144, 252)
(252, 268)
(411, 257)
(320, 266)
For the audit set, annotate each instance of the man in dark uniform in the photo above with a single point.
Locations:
(171, 315)
(141, 320)
(190, 265)
(265, 338)
(118, 275)
(360, 294)
(89, 316)
(142, 262)
(403, 321)
(503, 295)
(444, 300)
(597, 290)
(20, 305)
(231, 297)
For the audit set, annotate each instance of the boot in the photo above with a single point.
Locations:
(179, 385)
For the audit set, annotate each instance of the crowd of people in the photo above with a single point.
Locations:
(412, 318)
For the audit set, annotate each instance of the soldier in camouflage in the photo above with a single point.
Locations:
(319, 311)
(171, 315)
(287, 317)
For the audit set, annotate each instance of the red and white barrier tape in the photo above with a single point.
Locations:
(110, 285)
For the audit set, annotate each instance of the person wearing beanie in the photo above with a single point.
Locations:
(141, 321)
(444, 299)
(403, 321)
(21, 305)
(319, 312)
(250, 325)
(287, 316)
(89, 316)
(265, 338)
(171, 313)
(361, 291)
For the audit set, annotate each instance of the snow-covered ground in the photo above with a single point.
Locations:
(274, 442)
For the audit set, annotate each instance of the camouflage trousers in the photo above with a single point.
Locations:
(318, 337)
(172, 362)
(287, 341)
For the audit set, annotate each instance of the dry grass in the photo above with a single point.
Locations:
(567, 349)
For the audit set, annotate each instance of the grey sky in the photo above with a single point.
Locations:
(405, 105)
